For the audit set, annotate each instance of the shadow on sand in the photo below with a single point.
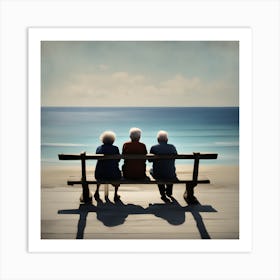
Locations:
(114, 214)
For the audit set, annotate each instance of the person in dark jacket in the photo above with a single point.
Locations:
(134, 168)
(164, 168)
(107, 169)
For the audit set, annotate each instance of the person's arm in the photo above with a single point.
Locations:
(124, 149)
(145, 149)
(151, 152)
(98, 150)
(117, 152)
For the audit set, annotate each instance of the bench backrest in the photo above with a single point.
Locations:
(135, 156)
(83, 157)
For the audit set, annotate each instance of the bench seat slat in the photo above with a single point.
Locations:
(140, 182)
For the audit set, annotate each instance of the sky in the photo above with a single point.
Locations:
(140, 73)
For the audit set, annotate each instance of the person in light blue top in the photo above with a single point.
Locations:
(107, 169)
(164, 169)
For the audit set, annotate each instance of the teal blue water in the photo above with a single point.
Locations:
(190, 129)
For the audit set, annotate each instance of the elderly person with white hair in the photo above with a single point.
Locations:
(134, 168)
(107, 169)
(164, 169)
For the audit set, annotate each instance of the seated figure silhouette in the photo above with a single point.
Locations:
(164, 168)
(107, 169)
(134, 168)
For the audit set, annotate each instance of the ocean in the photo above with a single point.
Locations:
(72, 130)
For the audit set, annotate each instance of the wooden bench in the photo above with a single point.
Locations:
(190, 184)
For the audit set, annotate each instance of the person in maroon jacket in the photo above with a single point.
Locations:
(134, 168)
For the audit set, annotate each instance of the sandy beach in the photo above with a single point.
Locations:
(141, 214)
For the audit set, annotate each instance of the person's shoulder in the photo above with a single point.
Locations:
(115, 148)
(142, 144)
(126, 147)
(144, 148)
(99, 149)
(155, 148)
(172, 147)
(126, 143)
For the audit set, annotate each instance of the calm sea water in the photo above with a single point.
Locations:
(191, 129)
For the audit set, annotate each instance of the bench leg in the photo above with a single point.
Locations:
(86, 196)
(189, 194)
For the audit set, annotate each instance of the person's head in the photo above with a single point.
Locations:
(162, 136)
(135, 134)
(108, 137)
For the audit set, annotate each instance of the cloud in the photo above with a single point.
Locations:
(125, 89)
(140, 73)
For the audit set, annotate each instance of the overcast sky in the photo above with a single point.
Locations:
(140, 73)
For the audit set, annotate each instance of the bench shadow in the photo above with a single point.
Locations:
(114, 214)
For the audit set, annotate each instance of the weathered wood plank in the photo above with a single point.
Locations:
(138, 182)
(135, 156)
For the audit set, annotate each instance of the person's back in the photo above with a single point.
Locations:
(107, 169)
(134, 168)
(164, 168)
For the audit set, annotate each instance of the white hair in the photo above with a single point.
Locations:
(108, 137)
(135, 133)
(162, 136)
